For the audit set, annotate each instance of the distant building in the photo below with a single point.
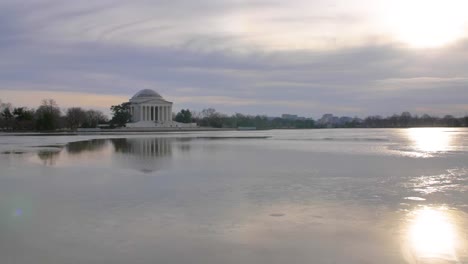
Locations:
(289, 117)
(345, 119)
(151, 110)
(148, 105)
(329, 120)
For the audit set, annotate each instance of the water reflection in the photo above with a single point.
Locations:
(453, 180)
(49, 157)
(145, 147)
(89, 145)
(432, 236)
(143, 154)
(430, 140)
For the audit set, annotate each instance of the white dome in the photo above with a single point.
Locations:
(145, 93)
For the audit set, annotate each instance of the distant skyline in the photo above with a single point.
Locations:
(266, 57)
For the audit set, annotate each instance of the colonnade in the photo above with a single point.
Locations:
(155, 113)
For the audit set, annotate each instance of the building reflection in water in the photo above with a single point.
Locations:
(146, 147)
(143, 154)
(432, 236)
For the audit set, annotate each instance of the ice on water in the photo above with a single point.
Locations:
(286, 196)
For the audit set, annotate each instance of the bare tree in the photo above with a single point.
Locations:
(209, 112)
(48, 115)
(4, 105)
(94, 118)
(75, 117)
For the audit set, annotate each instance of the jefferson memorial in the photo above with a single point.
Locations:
(150, 110)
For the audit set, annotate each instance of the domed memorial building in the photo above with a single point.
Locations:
(150, 110)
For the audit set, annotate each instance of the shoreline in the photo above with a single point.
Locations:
(143, 131)
(116, 131)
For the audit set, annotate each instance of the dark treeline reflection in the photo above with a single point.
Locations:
(137, 146)
(143, 154)
(88, 145)
(49, 157)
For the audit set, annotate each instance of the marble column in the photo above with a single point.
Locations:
(157, 113)
(141, 113)
(146, 113)
(168, 113)
(160, 113)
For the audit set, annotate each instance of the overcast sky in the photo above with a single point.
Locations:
(306, 57)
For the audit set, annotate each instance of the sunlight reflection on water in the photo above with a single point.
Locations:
(432, 236)
(454, 180)
(430, 140)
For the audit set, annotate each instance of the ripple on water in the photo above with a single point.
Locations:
(454, 180)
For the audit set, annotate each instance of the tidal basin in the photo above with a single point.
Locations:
(279, 196)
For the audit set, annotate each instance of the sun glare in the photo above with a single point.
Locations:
(427, 23)
(432, 235)
(430, 140)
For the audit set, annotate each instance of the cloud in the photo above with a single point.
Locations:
(204, 25)
(236, 56)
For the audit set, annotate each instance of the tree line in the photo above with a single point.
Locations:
(48, 117)
(406, 119)
(211, 118)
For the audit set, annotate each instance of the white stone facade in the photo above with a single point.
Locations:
(149, 109)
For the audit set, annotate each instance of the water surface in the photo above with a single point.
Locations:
(291, 196)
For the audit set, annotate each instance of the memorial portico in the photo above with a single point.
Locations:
(149, 109)
(148, 106)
